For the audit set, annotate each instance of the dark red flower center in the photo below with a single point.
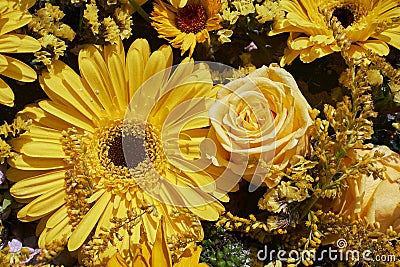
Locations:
(344, 15)
(191, 18)
(132, 145)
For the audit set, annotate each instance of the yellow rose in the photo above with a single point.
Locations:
(258, 120)
(376, 200)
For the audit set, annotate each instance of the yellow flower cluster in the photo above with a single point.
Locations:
(52, 33)
(116, 24)
(268, 10)
(17, 127)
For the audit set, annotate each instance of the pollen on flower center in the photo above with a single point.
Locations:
(191, 18)
(344, 15)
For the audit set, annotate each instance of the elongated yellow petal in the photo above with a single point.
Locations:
(94, 71)
(43, 134)
(104, 221)
(18, 70)
(63, 229)
(18, 43)
(86, 225)
(29, 163)
(377, 46)
(13, 20)
(35, 113)
(115, 64)
(117, 261)
(16, 175)
(160, 255)
(39, 149)
(58, 216)
(6, 94)
(43, 205)
(70, 115)
(38, 185)
(64, 86)
(136, 60)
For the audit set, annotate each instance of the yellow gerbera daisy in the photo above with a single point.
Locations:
(71, 165)
(13, 15)
(369, 24)
(185, 27)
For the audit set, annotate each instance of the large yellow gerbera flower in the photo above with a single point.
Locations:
(369, 24)
(185, 27)
(71, 165)
(13, 15)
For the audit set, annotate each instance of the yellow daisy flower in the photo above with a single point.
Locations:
(71, 168)
(13, 15)
(185, 27)
(369, 24)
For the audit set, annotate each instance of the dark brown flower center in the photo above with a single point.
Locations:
(132, 145)
(344, 15)
(191, 18)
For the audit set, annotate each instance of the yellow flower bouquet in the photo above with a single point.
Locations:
(215, 133)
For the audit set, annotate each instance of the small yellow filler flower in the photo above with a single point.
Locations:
(368, 24)
(185, 27)
(13, 15)
(108, 144)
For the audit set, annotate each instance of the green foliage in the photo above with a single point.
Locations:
(221, 249)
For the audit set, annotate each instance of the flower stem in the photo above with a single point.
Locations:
(140, 10)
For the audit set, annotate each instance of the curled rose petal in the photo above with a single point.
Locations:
(258, 121)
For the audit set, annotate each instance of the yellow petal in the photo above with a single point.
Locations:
(24, 162)
(104, 221)
(156, 63)
(160, 255)
(115, 63)
(18, 43)
(13, 20)
(16, 175)
(38, 185)
(64, 86)
(58, 216)
(94, 71)
(300, 43)
(70, 115)
(117, 261)
(43, 205)
(136, 60)
(6, 94)
(18, 70)
(377, 46)
(190, 257)
(38, 149)
(390, 36)
(43, 134)
(178, 3)
(45, 119)
(61, 230)
(86, 225)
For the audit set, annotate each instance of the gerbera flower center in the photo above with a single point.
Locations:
(191, 18)
(344, 15)
(133, 144)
